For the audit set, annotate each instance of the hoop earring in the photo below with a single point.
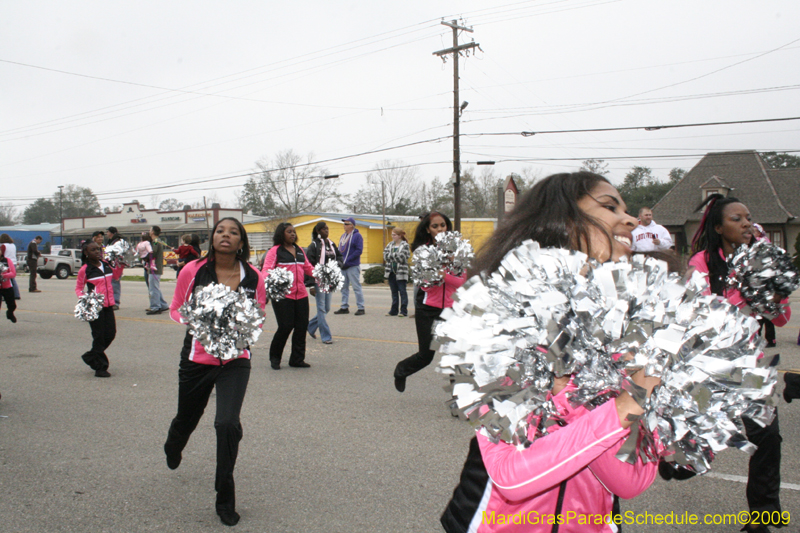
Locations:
(239, 251)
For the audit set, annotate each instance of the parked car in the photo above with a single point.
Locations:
(63, 264)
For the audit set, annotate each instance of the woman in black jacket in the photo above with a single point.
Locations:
(321, 249)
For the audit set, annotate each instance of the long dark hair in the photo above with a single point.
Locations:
(708, 241)
(548, 214)
(421, 235)
(244, 256)
(279, 237)
(315, 232)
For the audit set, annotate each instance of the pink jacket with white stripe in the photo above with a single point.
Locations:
(297, 264)
(581, 453)
(99, 280)
(199, 274)
(8, 275)
(698, 261)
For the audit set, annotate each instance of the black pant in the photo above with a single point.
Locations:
(399, 295)
(424, 318)
(769, 329)
(764, 475)
(104, 329)
(11, 304)
(195, 382)
(291, 315)
(32, 268)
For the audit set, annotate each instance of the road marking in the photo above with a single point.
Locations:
(743, 479)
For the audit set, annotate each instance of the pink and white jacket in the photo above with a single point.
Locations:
(700, 264)
(441, 296)
(523, 485)
(199, 274)
(98, 279)
(297, 264)
(8, 275)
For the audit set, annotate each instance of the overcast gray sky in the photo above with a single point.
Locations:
(123, 95)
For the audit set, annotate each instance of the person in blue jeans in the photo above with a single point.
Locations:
(351, 245)
(321, 249)
(157, 302)
(395, 260)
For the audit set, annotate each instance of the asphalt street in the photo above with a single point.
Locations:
(333, 448)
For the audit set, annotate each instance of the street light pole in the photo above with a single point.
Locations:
(61, 215)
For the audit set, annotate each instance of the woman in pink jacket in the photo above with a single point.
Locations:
(97, 275)
(429, 302)
(292, 311)
(725, 226)
(199, 372)
(572, 475)
(6, 287)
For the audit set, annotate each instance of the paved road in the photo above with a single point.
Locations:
(330, 449)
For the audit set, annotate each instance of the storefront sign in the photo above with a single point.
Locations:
(139, 220)
(170, 219)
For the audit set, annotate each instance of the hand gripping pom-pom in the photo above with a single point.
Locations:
(278, 283)
(549, 312)
(225, 322)
(449, 253)
(761, 273)
(328, 276)
(118, 254)
(89, 306)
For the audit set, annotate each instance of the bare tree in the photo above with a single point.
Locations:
(394, 179)
(170, 204)
(8, 215)
(295, 184)
(598, 166)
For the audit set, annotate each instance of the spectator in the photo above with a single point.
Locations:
(186, 252)
(145, 251)
(649, 236)
(32, 258)
(113, 237)
(6, 292)
(395, 258)
(11, 251)
(351, 245)
(157, 303)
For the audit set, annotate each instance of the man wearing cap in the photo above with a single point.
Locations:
(351, 245)
(116, 283)
(649, 236)
(33, 261)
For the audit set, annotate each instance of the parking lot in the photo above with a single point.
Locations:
(333, 448)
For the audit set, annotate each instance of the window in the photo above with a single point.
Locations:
(776, 236)
(709, 192)
(65, 253)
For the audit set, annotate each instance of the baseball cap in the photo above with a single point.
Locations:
(112, 229)
(350, 220)
(98, 232)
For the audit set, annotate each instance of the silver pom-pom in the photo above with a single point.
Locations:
(3, 268)
(328, 276)
(89, 306)
(457, 253)
(118, 253)
(761, 273)
(278, 283)
(450, 252)
(225, 322)
(549, 312)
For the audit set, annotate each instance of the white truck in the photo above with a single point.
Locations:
(62, 264)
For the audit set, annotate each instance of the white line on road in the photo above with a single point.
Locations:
(742, 479)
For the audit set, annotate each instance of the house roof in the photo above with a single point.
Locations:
(770, 195)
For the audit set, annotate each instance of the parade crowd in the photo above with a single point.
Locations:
(574, 469)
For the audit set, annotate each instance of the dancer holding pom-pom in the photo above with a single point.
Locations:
(199, 372)
(430, 301)
(726, 225)
(291, 312)
(573, 468)
(7, 274)
(97, 275)
(322, 250)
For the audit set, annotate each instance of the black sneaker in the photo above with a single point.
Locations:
(300, 365)
(342, 311)
(102, 374)
(11, 317)
(360, 312)
(153, 311)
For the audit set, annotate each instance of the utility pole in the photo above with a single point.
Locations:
(383, 207)
(60, 214)
(455, 50)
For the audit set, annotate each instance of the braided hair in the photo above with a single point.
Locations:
(708, 241)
